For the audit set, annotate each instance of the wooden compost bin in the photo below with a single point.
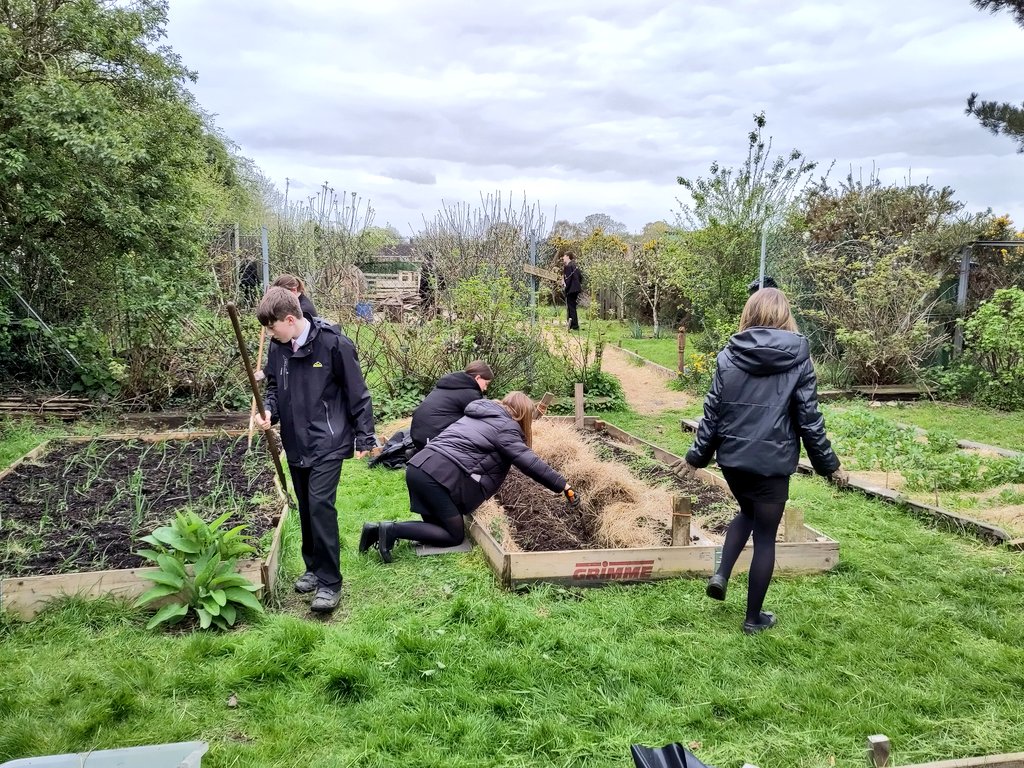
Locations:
(804, 550)
(25, 596)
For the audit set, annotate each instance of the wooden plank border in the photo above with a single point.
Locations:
(952, 521)
(659, 369)
(25, 596)
(803, 551)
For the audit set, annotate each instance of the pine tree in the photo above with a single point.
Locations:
(1000, 118)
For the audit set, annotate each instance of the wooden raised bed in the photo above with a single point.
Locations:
(804, 550)
(659, 369)
(987, 532)
(25, 596)
(879, 752)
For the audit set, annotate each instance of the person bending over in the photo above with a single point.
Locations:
(763, 401)
(463, 467)
(447, 403)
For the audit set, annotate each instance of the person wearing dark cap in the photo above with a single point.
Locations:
(769, 282)
(447, 403)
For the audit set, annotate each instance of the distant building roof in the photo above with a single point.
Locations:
(400, 252)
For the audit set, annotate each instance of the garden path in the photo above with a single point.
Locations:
(647, 392)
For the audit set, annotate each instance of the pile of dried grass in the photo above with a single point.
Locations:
(619, 509)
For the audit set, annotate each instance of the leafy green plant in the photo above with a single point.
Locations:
(211, 588)
(698, 373)
(994, 336)
(866, 441)
(189, 537)
(636, 330)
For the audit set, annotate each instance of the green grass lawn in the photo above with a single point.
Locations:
(428, 663)
(1001, 428)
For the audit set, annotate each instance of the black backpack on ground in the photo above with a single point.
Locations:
(396, 452)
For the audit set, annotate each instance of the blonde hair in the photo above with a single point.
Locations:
(520, 407)
(291, 282)
(768, 308)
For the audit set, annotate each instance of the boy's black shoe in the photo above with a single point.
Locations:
(765, 621)
(717, 586)
(326, 600)
(385, 541)
(307, 583)
(368, 537)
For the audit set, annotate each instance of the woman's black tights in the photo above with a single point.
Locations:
(762, 520)
(442, 524)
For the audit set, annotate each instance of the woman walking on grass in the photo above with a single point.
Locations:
(763, 401)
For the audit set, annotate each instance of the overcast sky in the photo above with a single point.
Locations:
(597, 105)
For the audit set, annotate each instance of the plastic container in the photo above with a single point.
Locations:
(185, 754)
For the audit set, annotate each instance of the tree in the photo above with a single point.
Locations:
(654, 268)
(109, 177)
(1000, 118)
(492, 239)
(864, 266)
(603, 222)
(717, 249)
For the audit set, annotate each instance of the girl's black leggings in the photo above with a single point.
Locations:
(442, 524)
(760, 519)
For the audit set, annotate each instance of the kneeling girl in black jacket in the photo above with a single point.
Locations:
(447, 403)
(763, 401)
(460, 469)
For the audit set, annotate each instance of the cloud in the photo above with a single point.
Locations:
(597, 105)
(410, 174)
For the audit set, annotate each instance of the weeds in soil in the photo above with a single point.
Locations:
(91, 502)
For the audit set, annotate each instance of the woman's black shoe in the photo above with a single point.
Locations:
(717, 586)
(385, 541)
(368, 537)
(765, 621)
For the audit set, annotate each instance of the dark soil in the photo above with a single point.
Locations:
(84, 506)
(541, 521)
(712, 507)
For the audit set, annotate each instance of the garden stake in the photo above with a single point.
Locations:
(252, 408)
(271, 439)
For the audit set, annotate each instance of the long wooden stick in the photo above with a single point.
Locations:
(252, 407)
(275, 451)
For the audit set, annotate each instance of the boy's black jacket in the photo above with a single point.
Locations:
(319, 396)
(572, 278)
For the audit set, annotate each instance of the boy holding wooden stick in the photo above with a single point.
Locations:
(316, 390)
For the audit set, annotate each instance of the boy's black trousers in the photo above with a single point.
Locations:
(571, 300)
(316, 488)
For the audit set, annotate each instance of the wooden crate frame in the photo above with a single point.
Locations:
(804, 550)
(950, 521)
(25, 596)
(879, 752)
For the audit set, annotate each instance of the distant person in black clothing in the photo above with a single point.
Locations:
(297, 287)
(763, 402)
(447, 403)
(463, 467)
(249, 282)
(572, 281)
